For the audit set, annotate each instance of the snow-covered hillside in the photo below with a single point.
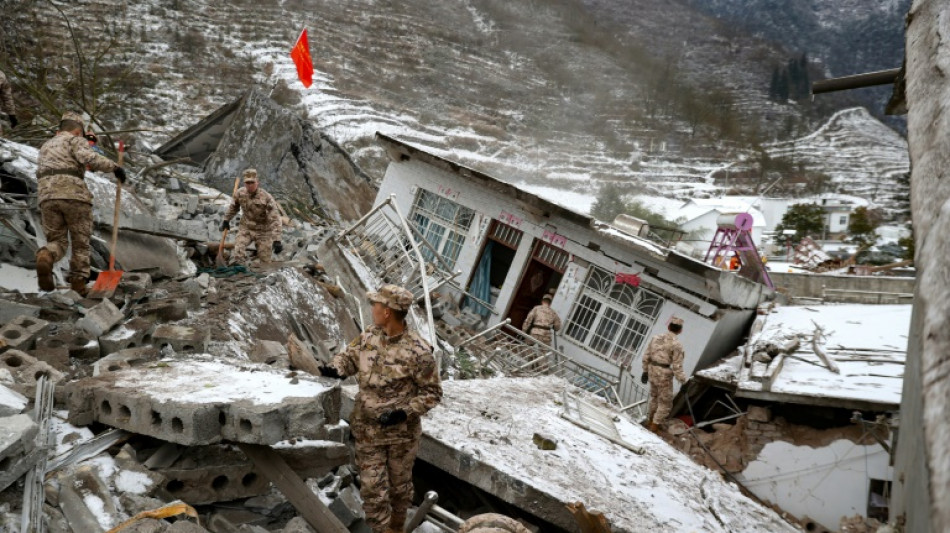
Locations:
(543, 93)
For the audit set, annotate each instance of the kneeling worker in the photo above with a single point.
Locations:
(260, 220)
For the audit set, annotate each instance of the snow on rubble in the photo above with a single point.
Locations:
(661, 490)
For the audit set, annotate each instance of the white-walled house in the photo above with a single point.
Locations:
(701, 215)
(613, 291)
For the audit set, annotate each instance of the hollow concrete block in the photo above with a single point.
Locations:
(131, 334)
(181, 338)
(100, 318)
(80, 344)
(21, 332)
(163, 310)
(125, 359)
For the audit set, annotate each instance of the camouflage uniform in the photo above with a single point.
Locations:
(396, 372)
(6, 98)
(662, 360)
(65, 201)
(539, 322)
(260, 223)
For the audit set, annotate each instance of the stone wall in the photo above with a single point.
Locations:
(858, 289)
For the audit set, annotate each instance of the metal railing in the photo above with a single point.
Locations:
(383, 242)
(508, 350)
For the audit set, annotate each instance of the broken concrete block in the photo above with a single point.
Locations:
(348, 506)
(183, 526)
(312, 459)
(134, 504)
(11, 402)
(128, 335)
(181, 338)
(544, 442)
(235, 520)
(147, 525)
(55, 521)
(124, 359)
(759, 414)
(10, 310)
(133, 281)
(270, 353)
(297, 524)
(203, 402)
(77, 342)
(164, 310)
(134, 478)
(100, 319)
(17, 437)
(26, 370)
(208, 474)
(21, 332)
(85, 500)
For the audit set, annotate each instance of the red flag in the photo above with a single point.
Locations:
(301, 56)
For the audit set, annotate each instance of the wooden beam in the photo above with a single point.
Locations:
(273, 466)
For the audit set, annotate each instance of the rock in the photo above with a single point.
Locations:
(544, 442)
(759, 414)
(297, 525)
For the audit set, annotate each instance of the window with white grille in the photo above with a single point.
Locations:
(442, 223)
(612, 319)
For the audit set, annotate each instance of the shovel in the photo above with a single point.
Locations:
(107, 281)
(219, 260)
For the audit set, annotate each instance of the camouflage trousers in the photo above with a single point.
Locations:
(386, 481)
(264, 242)
(661, 394)
(73, 218)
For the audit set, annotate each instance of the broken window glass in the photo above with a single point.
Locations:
(442, 223)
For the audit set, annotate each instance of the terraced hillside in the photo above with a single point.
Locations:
(561, 93)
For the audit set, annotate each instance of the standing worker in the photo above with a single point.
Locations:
(541, 320)
(260, 220)
(6, 101)
(398, 383)
(662, 360)
(65, 201)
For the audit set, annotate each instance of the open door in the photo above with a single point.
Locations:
(494, 261)
(543, 274)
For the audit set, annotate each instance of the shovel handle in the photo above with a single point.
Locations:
(224, 234)
(115, 214)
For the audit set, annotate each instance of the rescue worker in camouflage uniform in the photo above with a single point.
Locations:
(398, 383)
(541, 320)
(662, 360)
(66, 203)
(6, 101)
(260, 220)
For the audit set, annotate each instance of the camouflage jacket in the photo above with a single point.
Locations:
(260, 212)
(666, 351)
(6, 95)
(542, 317)
(393, 373)
(62, 164)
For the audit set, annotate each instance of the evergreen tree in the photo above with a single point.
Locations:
(861, 226)
(783, 93)
(610, 202)
(774, 84)
(808, 220)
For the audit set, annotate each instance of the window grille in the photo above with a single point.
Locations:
(442, 223)
(505, 235)
(612, 319)
(551, 256)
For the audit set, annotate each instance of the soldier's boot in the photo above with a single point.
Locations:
(44, 269)
(654, 427)
(78, 284)
(397, 523)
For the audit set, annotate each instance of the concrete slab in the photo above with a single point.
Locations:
(21, 332)
(124, 359)
(100, 318)
(10, 310)
(209, 474)
(78, 343)
(130, 334)
(181, 338)
(204, 402)
(11, 402)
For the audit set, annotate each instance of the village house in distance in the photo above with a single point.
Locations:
(613, 290)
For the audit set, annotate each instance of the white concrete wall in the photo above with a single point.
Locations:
(822, 483)
(403, 178)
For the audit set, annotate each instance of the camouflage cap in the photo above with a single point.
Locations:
(75, 117)
(250, 175)
(676, 321)
(547, 297)
(392, 296)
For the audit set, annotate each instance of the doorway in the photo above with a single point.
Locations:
(542, 275)
(494, 262)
